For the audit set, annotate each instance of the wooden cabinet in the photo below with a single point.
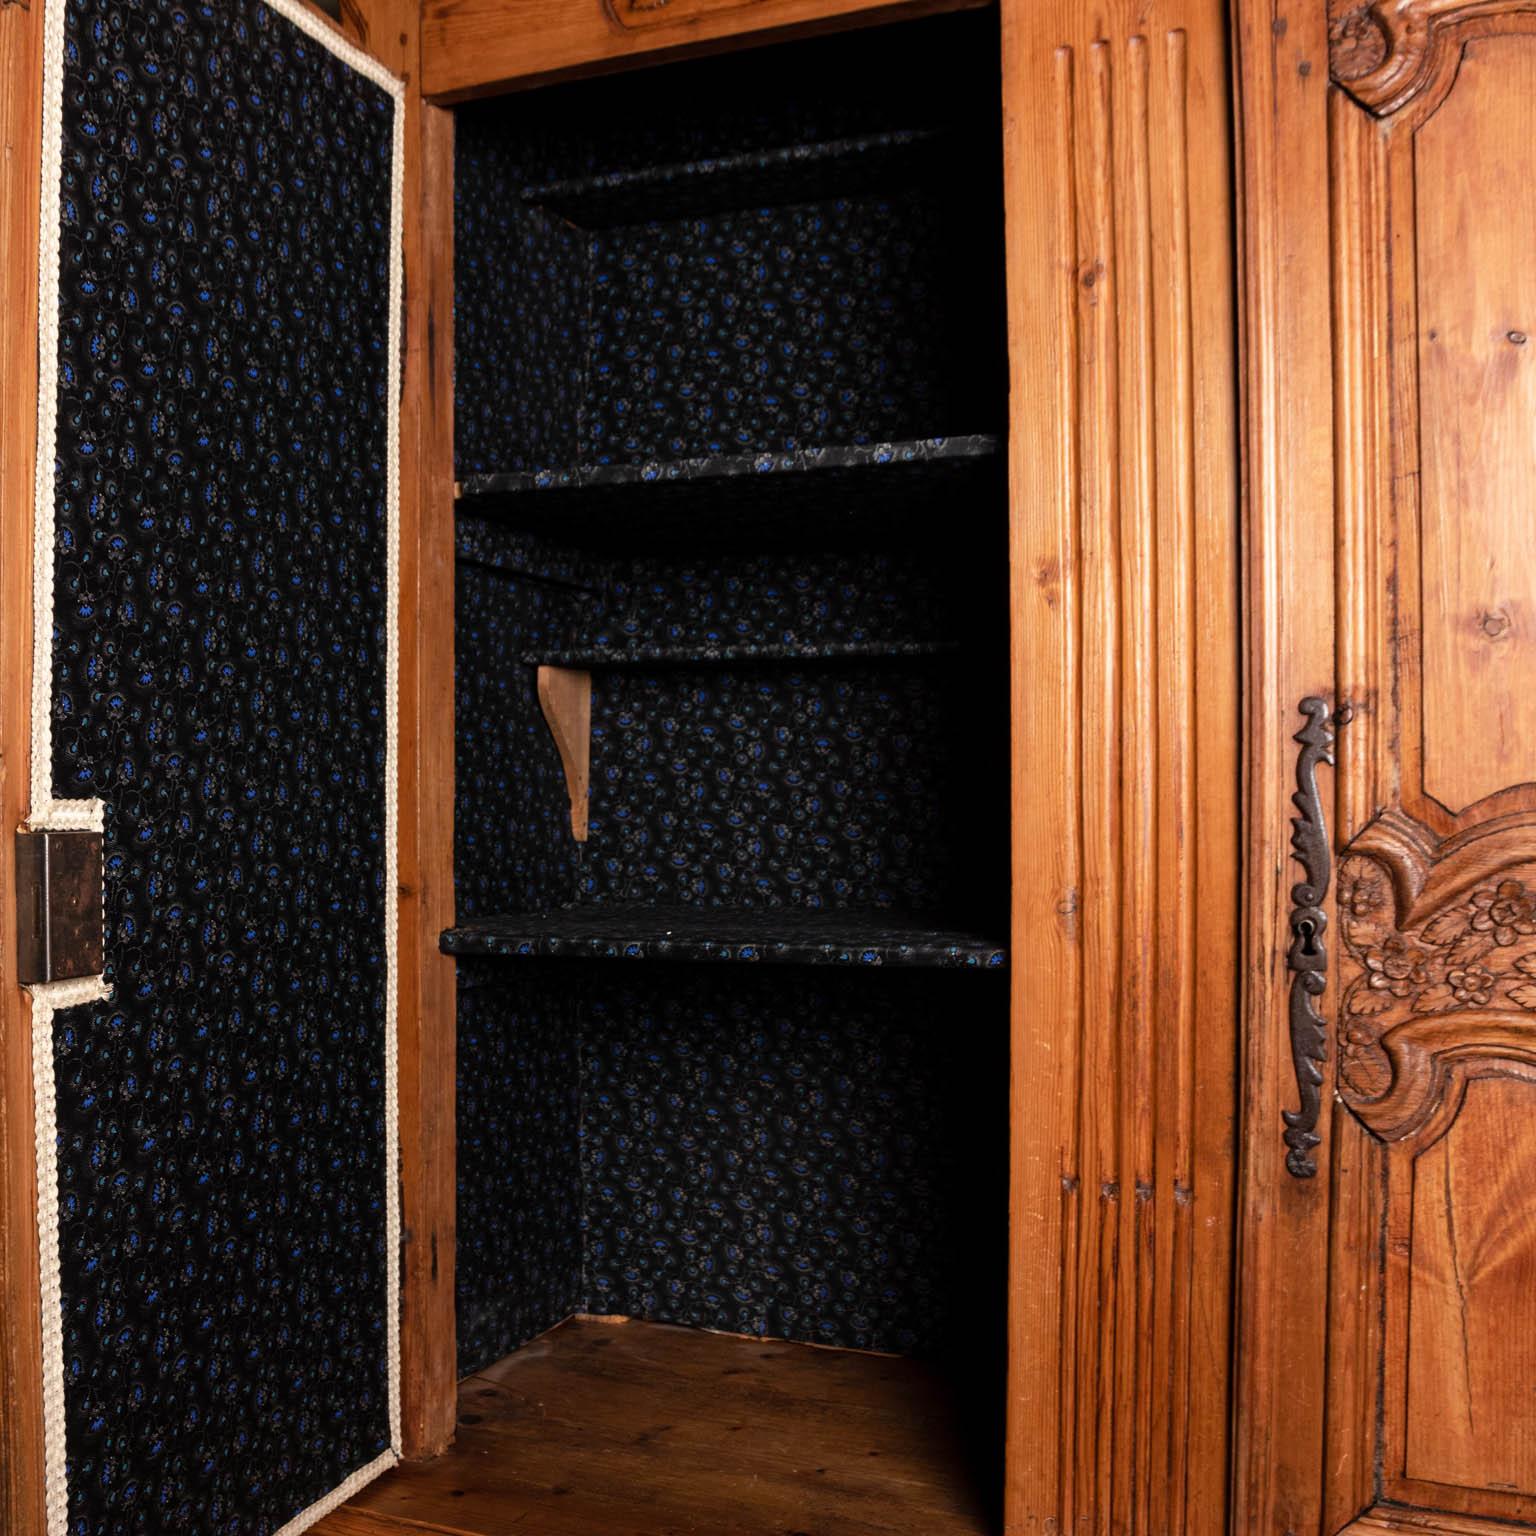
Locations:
(1386, 1247)
(969, 514)
(1059, 469)
(1124, 660)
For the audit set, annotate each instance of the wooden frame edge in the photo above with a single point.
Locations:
(22, 1459)
(427, 1016)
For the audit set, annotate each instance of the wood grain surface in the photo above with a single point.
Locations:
(641, 1429)
(21, 1403)
(478, 47)
(1287, 424)
(1381, 1373)
(1125, 667)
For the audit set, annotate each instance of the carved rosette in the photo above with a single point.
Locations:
(1358, 43)
(1386, 52)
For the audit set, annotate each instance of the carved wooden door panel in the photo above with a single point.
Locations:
(1410, 1149)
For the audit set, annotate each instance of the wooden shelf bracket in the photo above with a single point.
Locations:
(565, 696)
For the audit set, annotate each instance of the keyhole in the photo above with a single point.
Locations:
(1308, 931)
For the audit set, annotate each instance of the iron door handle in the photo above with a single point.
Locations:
(1307, 956)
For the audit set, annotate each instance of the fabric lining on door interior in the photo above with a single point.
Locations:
(215, 686)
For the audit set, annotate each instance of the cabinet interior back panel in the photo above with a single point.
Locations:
(799, 697)
(796, 1153)
(816, 317)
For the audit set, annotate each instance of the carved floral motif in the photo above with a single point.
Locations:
(1479, 953)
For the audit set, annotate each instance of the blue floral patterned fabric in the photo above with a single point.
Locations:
(219, 681)
(843, 316)
(794, 1154)
(788, 717)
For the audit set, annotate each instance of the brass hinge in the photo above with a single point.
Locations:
(58, 906)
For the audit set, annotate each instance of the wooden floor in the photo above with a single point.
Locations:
(637, 1429)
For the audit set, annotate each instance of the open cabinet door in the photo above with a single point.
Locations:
(1388, 1263)
(1126, 819)
(213, 572)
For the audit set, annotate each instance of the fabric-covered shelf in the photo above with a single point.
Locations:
(796, 173)
(708, 654)
(774, 935)
(834, 492)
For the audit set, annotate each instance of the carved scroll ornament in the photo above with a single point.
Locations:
(1385, 52)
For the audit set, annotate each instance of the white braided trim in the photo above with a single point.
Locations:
(52, 814)
(312, 24)
(341, 1492)
(392, 780)
(46, 812)
(47, 999)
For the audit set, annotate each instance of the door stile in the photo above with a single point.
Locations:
(1124, 588)
(1366, 779)
(1281, 82)
(429, 1024)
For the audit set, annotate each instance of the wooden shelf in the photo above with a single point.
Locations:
(797, 173)
(773, 935)
(830, 494)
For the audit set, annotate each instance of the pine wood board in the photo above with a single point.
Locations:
(642, 1429)
(478, 47)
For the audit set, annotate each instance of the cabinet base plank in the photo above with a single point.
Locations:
(641, 1429)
